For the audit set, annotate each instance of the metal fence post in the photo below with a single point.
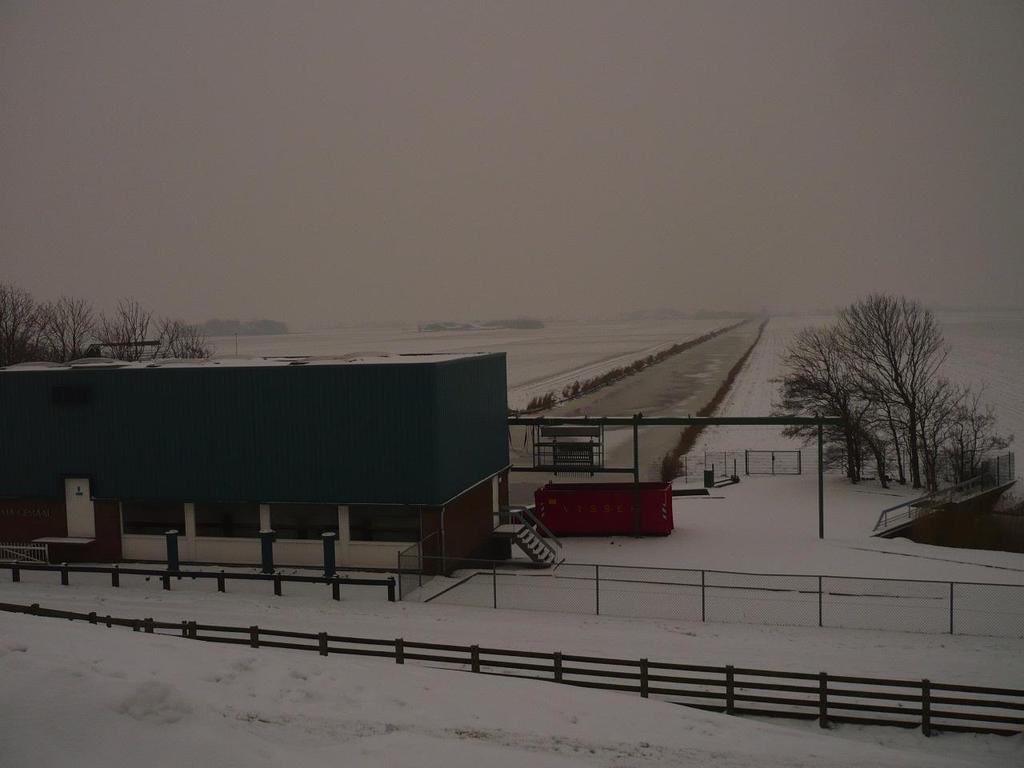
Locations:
(703, 600)
(823, 700)
(819, 601)
(166, 581)
(399, 651)
(474, 658)
(494, 582)
(322, 643)
(644, 682)
(115, 577)
(63, 574)
(597, 590)
(557, 659)
(220, 581)
(277, 584)
(329, 561)
(15, 573)
(391, 589)
(951, 607)
(335, 588)
(926, 708)
(254, 637)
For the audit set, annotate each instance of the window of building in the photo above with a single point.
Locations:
(303, 521)
(152, 518)
(233, 521)
(367, 523)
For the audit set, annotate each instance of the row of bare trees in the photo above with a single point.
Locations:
(879, 369)
(70, 328)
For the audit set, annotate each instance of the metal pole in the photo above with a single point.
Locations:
(330, 566)
(597, 590)
(821, 483)
(267, 550)
(494, 582)
(636, 474)
(172, 551)
(951, 607)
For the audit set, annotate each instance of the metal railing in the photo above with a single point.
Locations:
(908, 511)
(841, 602)
(22, 552)
(827, 698)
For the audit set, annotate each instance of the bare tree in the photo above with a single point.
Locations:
(819, 382)
(895, 348)
(68, 327)
(970, 435)
(20, 326)
(182, 340)
(124, 334)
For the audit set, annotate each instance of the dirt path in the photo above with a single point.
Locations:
(676, 387)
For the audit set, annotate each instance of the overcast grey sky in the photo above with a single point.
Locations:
(342, 161)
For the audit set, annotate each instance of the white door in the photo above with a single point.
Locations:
(78, 502)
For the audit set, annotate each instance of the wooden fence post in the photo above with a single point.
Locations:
(399, 651)
(254, 637)
(644, 682)
(323, 643)
(557, 658)
(730, 692)
(474, 658)
(823, 700)
(926, 707)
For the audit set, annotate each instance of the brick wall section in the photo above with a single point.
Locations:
(22, 520)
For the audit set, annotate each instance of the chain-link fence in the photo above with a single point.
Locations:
(902, 605)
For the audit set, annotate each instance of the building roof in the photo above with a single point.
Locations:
(277, 361)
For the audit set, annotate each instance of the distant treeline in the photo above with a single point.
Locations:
(579, 388)
(482, 325)
(262, 327)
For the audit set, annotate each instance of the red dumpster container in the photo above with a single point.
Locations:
(604, 509)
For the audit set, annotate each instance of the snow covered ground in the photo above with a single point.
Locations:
(539, 360)
(91, 696)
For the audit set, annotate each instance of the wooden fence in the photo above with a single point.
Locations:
(221, 577)
(820, 696)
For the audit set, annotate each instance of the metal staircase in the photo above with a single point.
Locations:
(530, 535)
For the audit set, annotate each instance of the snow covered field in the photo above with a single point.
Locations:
(163, 701)
(539, 360)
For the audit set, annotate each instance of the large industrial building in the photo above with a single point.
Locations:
(100, 459)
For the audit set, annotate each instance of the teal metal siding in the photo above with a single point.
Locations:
(387, 433)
